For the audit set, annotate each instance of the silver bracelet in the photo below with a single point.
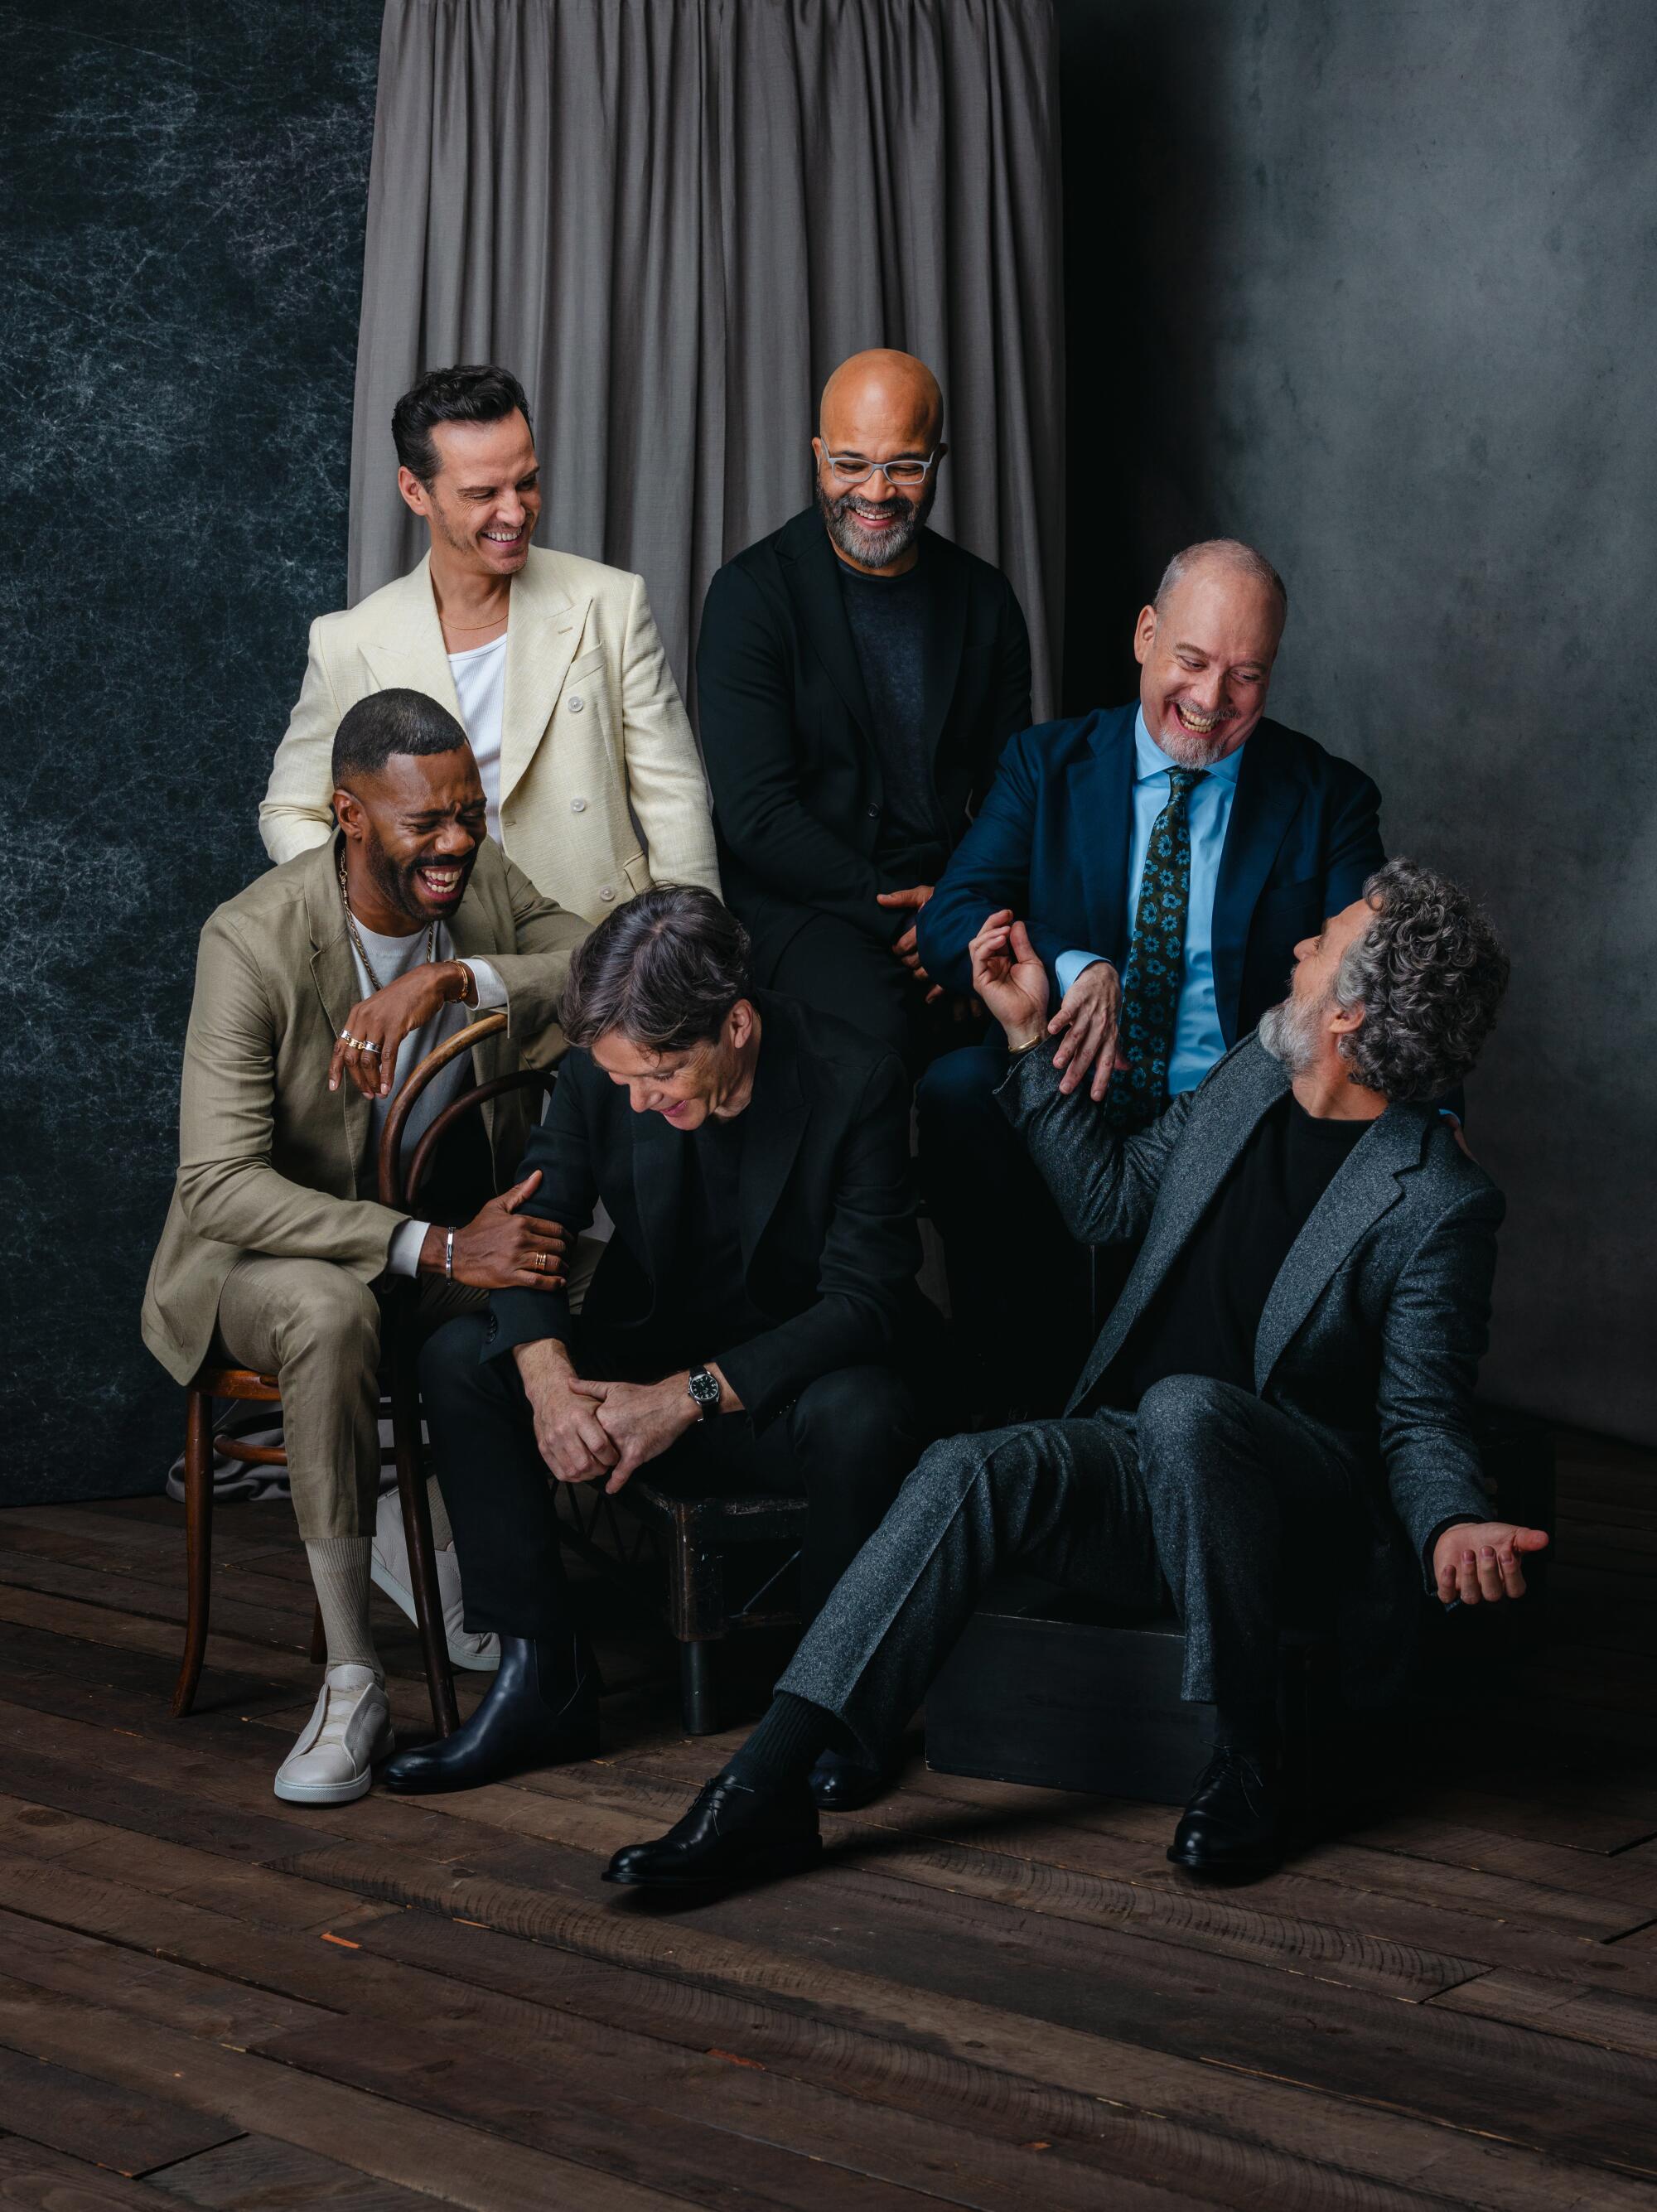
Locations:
(448, 1257)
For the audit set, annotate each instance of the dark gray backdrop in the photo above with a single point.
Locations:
(1371, 285)
(182, 236)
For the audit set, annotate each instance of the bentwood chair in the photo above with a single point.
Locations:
(400, 1377)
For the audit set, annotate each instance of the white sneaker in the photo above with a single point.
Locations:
(350, 1729)
(388, 1563)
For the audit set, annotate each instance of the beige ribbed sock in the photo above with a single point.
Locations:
(442, 1533)
(339, 1569)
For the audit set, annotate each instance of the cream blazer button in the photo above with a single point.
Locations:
(576, 702)
(606, 890)
(578, 806)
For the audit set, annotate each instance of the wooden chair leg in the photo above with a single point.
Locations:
(318, 1636)
(698, 1700)
(422, 1555)
(198, 1544)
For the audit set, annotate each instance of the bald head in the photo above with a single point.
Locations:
(879, 407)
(1205, 648)
(881, 385)
(1232, 559)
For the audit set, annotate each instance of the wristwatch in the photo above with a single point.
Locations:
(705, 1389)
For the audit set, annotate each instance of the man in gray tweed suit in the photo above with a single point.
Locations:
(1275, 1413)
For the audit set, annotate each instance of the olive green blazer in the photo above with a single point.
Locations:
(269, 1160)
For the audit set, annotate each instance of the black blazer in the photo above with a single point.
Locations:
(826, 1212)
(785, 724)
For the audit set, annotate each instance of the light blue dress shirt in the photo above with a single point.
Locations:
(1198, 1041)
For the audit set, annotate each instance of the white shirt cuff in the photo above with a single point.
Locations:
(1069, 965)
(491, 991)
(403, 1257)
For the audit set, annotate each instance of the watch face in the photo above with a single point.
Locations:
(703, 1388)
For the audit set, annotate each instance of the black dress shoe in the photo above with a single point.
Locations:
(841, 1784)
(1232, 1823)
(730, 1834)
(530, 1718)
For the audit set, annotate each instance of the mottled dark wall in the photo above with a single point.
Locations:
(1375, 285)
(182, 235)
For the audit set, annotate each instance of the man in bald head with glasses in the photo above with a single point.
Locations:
(858, 676)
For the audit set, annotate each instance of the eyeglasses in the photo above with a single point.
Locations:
(849, 469)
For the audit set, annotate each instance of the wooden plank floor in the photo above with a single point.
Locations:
(989, 1997)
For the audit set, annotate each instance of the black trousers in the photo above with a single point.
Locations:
(845, 1444)
(1020, 1288)
(837, 968)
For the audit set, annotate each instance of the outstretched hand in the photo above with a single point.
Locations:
(1010, 979)
(1478, 1561)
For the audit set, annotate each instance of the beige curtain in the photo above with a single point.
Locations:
(670, 218)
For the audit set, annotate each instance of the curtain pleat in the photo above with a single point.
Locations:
(671, 218)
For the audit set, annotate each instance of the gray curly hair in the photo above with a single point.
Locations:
(1429, 972)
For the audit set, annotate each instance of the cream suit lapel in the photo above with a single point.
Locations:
(543, 635)
(406, 652)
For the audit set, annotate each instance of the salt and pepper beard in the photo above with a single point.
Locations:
(1186, 750)
(1290, 1031)
(909, 523)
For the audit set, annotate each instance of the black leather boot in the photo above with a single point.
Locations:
(730, 1834)
(1233, 1822)
(532, 1718)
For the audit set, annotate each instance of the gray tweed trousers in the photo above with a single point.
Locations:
(1251, 1519)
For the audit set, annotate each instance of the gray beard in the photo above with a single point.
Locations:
(1187, 751)
(909, 527)
(1288, 1031)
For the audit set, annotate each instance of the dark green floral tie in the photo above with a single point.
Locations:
(1156, 965)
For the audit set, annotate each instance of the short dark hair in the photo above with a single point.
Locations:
(1429, 971)
(470, 392)
(664, 970)
(388, 722)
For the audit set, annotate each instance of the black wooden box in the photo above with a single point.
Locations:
(1092, 1703)
(1044, 1690)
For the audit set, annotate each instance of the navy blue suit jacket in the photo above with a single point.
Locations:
(1051, 841)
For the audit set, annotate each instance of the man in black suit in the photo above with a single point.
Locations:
(857, 676)
(1275, 1418)
(753, 1323)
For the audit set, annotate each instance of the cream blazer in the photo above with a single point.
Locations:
(594, 745)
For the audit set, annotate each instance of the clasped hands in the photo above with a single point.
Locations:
(1011, 980)
(586, 1431)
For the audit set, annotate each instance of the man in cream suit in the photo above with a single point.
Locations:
(317, 988)
(552, 664)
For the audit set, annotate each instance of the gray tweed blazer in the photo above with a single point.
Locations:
(1390, 1278)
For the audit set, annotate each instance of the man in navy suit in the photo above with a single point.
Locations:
(1170, 855)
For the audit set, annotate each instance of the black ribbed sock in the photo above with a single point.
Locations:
(784, 1747)
(1250, 1728)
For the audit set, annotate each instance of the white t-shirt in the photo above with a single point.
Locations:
(480, 682)
(393, 956)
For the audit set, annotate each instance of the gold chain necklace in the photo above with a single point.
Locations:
(361, 950)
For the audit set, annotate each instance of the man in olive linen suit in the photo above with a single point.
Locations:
(317, 989)
(1274, 1418)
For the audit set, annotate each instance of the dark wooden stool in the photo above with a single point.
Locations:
(691, 1564)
